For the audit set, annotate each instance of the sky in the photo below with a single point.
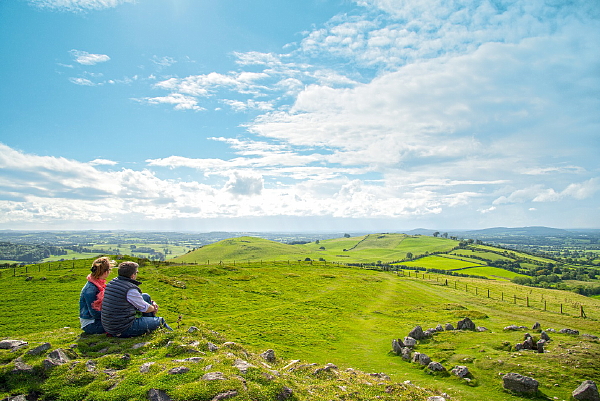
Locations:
(313, 115)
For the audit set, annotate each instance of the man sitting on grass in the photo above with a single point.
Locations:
(122, 300)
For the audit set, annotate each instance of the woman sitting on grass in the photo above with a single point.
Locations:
(92, 294)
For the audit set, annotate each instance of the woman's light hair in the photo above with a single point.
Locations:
(101, 266)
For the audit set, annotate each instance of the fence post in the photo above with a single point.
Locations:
(446, 282)
(582, 312)
(528, 301)
(503, 295)
(561, 309)
(488, 292)
(544, 304)
(515, 298)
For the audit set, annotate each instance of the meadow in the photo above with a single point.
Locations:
(325, 312)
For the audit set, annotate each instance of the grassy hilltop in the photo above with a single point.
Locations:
(316, 312)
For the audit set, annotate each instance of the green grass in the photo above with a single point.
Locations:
(492, 272)
(441, 263)
(324, 313)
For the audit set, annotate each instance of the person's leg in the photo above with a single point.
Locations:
(143, 325)
(94, 328)
(147, 298)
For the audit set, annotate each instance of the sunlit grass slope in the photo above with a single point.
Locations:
(347, 316)
(364, 249)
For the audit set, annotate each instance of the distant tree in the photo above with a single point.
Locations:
(435, 234)
(409, 255)
(317, 242)
(445, 235)
(346, 235)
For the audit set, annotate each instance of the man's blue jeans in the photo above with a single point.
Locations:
(145, 324)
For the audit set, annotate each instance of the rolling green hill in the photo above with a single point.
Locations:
(365, 249)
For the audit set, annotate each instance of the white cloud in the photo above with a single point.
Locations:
(102, 162)
(181, 102)
(78, 5)
(240, 184)
(86, 58)
(82, 81)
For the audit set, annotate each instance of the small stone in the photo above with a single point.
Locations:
(90, 365)
(284, 394)
(20, 397)
(269, 356)
(212, 347)
(406, 353)
(480, 329)
(9, 344)
(449, 327)
(179, 370)
(544, 336)
(193, 329)
(590, 336)
(461, 371)
(397, 346)
(381, 376)
(436, 398)
(139, 345)
(536, 326)
(22, 367)
(242, 365)
(213, 376)
(39, 349)
(512, 327)
(569, 331)
(225, 395)
(158, 395)
(410, 342)
(436, 367)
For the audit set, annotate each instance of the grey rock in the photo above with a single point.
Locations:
(410, 342)
(20, 397)
(194, 359)
(526, 336)
(213, 376)
(225, 395)
(449, 327)
(158, 395)
(536, 326)
(520, 384)
(436, 367)
(39, 349)
(518, 347)
(544, 336)
(429, 333)
(193, 329)
(212, 347)
(9, 344)
(417, 333)
(406, 353)
(465, 324)
(439, 328)
(569, 331)
(590, 336)
(551, 330)
(528, 343)
(397, 346)
(587, 391)
(415, 357)
(328, 367)
(90, 365)
(242, 365)
(436, 398)
(139, 345)
(461, 371)
(179, 370)
(22, 367)
(269, 356)
(145, 368)
(424, 359)
(381, 376)
(284, 394)
(59, 355)
(512, 327)
(481, 329)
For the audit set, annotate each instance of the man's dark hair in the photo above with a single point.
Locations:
(128, 269)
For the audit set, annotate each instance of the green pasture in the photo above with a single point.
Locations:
(482, 254)
(324, 313)
(492, 272)
(441, 263)
(364, 249)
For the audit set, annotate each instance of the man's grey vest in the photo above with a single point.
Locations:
(117, 313)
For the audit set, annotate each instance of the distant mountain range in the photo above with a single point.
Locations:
(508, 231)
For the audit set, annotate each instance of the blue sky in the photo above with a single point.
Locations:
(316, 115)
